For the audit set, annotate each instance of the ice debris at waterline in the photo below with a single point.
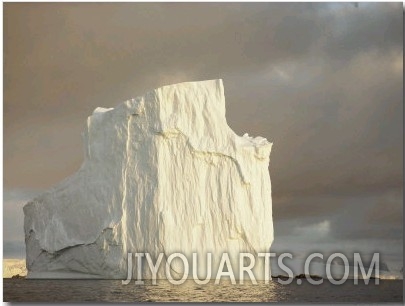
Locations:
(162, 173)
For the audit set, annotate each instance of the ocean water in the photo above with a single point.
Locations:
(25, 290)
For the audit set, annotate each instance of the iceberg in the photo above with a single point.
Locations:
(162, 173)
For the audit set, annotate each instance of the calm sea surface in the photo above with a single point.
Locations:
(23, 290)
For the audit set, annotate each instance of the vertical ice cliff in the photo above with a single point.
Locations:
(162, 173)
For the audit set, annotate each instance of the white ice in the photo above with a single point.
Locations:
(162, 173)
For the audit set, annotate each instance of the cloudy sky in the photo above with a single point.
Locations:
(323, 82)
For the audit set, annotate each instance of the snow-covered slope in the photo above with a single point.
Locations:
(162, 173)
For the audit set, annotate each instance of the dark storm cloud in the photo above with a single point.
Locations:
(373, 217)
(322, 81)
(365, 30)
(14, 249)
(353, 141)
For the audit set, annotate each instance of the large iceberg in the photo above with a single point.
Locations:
(162, 173)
